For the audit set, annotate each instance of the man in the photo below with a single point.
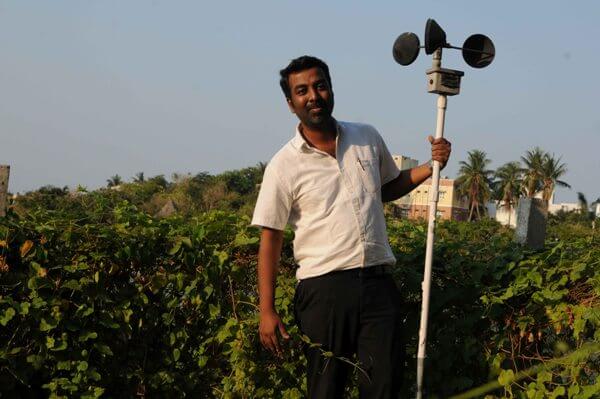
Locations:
(329, 184)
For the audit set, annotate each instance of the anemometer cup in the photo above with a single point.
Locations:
(478, 51)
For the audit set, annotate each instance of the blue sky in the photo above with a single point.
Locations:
(89, 89)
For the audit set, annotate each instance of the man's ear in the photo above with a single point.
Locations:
(290, 105)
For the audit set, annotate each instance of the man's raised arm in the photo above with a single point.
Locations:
(406, 181)
(409, 179)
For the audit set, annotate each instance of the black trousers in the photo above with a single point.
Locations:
(351, 312)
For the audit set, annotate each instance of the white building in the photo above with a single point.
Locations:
(596, 209)
(506, 218)
(404, 163)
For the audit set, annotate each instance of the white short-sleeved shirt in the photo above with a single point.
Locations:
(333, 205)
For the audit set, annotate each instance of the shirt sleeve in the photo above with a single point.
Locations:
(274, 201)
(388, 169)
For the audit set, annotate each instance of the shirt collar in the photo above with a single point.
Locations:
(300, 143)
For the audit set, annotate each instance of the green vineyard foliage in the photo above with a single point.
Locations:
(103, 300)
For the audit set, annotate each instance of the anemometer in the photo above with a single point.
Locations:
(478, 51)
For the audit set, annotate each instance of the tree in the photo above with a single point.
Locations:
(180, 177)
(114, 181)
(474, 182)
(139, 177)
(261, 166)
(552, 169)
(159, 180)
(533, 160)
(243, 181)
(583, 204)
(508, 185)
(202, 178)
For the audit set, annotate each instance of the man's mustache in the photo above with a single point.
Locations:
(319, 104)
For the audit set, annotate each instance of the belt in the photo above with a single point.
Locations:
(376, 270)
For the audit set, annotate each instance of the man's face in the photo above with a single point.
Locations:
(311, 97)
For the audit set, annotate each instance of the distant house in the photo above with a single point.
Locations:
(596, 209)
(415, 205)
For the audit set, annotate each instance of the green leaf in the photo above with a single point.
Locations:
(214, 310)
(573, 390)
(72, 284)
(543, 377)
(103, 349)
(45, 326)
(14, 351)
(241, 240)
(578, 326)
(558, 391)
(202, 360)
(24, 308)
(82, 366)
(62, 344)
(94, 375)
(64, 365)
(222, 256)
(87, 335)
(127, 313)
(176, 354)
(506, 377)
(8, 314)
(35, 360)
(175, 248)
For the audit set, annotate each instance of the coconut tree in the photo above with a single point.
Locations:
(508, 185)
(139, 177)
(582, 200)
(532, 180)
(551, 171)
(114, 181)
(474, 182)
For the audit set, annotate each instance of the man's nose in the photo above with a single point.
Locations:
(313, 94)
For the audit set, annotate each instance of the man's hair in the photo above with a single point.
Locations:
(301, 64)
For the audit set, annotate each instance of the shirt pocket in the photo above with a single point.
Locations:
(368, 172)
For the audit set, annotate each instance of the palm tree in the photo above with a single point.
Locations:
(261, 166)
(508, 185)
(584, 208)
(474, 181)
(583, 204)
(533, 160)
(552, 169)
(139, 177)
(114, 181)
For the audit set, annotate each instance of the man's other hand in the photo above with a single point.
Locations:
(440, 150)
(269, 324)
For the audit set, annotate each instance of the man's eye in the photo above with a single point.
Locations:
(300, 91)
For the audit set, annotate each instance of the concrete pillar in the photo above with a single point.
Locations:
(532, 215)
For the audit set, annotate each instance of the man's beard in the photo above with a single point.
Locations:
(320, 119)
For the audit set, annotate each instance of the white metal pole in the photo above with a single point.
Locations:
(426, 285)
